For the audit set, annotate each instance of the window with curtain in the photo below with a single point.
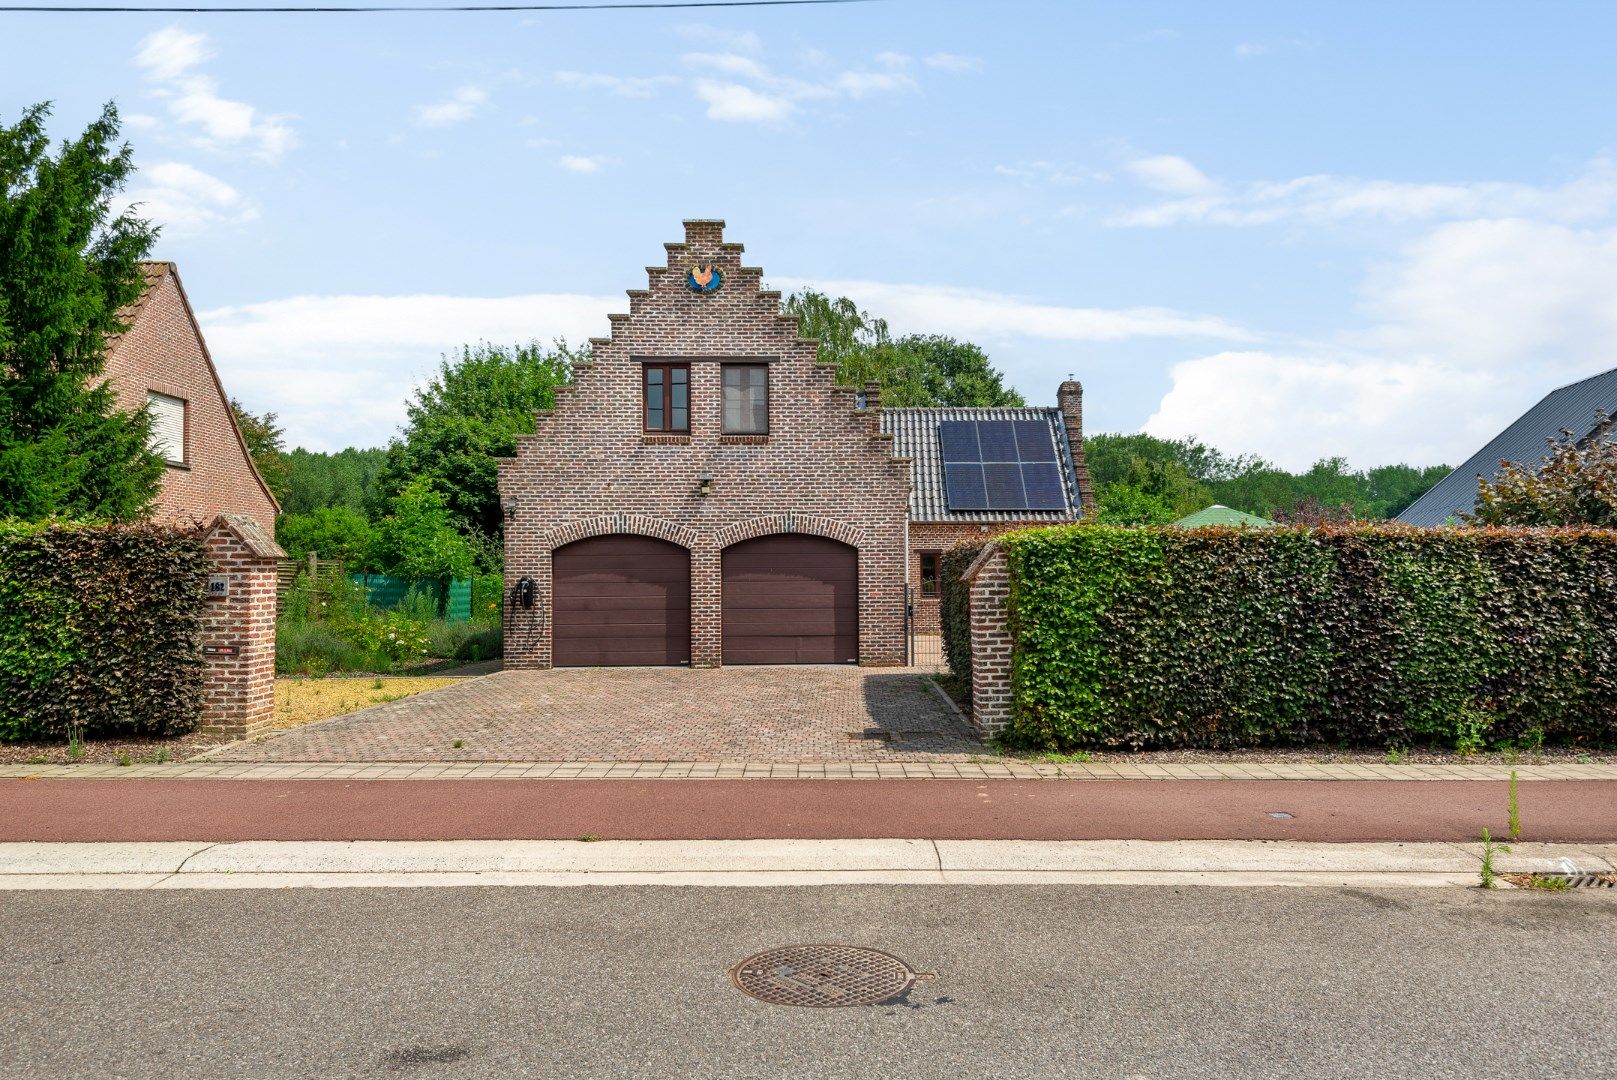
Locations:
(746, 399)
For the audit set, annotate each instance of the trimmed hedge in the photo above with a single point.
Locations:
(100, 627)
(1364, 635)
(954, 605)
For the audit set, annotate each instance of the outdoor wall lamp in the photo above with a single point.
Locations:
(510, 509)
(704, 483)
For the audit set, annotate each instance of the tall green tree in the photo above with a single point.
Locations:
(266, 444)
(418, 538)
(915, 371)
(344, 478)
(470, 414)
(67, 265)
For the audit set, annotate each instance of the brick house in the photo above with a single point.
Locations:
(704, 493)
(161, 362)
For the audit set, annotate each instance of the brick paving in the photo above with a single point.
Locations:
(729, 716)
(981, 769)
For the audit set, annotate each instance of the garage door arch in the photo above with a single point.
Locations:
(620, 600)
(790, 598)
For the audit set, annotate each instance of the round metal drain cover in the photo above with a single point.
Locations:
(822, 976)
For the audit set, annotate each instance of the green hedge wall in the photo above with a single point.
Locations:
(100, 626)
(1366, 635)
(954, 606)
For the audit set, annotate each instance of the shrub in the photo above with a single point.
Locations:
(312, 648)
(1366, 635)
(100, 629)
(954, 606)
(486, 642)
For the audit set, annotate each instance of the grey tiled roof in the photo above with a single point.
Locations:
(1571, 408)
(915, 436)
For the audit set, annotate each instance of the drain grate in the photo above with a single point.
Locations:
(1556, 882)
(823, 976)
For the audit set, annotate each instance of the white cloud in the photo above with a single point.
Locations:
(1250, 48)
(952, 62)
(170, 59)
(734, 40)
(460, 106)
(338, 368)
(1166, 172)
(1473, 323)
(1294, 409)
(732, 64)
(1324, 199)
(186, 201)
(171, 52)
(621, 85)
(858, 84)
(972, 313)
(578, 163)
(732, 101)
(896, 60)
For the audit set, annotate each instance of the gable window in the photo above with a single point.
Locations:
(929, 573)
(746, 399)
(168, 426)
(668, 398)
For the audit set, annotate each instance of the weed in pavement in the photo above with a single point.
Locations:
(458, 743)
(1489, 850)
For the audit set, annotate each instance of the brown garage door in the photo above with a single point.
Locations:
(791, 600)
(621, 600)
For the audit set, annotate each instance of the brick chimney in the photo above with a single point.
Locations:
(1070, 397)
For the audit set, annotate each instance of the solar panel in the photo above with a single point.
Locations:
(963, 484)
(1001, 465)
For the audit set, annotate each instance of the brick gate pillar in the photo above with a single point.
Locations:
(988, 580)
(238, 628)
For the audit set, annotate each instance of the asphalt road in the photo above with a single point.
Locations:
(631, 982)
(1325, 810)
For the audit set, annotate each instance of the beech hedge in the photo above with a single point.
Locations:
(100, 627)
(1360, 635)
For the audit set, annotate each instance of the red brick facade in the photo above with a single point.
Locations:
(930, 537)
(238, 628)
(824, 469)
(989, 579)
(163, 352)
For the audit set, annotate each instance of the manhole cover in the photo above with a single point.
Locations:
(822, 976)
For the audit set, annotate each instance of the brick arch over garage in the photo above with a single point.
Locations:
(809, 524)
(607, 524)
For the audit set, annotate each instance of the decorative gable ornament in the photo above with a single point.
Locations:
(704, 279)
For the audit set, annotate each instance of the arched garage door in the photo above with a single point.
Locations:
(791, 599)
(620, 600)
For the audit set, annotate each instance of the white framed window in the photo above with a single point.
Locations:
(168, 426)
(746, 399)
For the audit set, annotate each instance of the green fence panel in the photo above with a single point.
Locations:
(386, 592)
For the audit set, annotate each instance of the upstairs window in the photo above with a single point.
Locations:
(668, 398)
(746, 399)
(168, 427)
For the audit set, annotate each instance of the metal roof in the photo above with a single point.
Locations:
(1219, 514)
(915, 436)
(1571, 408)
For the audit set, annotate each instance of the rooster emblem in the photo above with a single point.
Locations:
(703, 279)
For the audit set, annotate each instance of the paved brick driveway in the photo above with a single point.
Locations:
(756, 714)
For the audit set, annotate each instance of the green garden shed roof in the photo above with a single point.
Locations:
(1222, 515)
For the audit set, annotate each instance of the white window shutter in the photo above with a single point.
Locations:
(168, 426)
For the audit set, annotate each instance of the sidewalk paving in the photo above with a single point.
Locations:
(396, 864)
(986, 769)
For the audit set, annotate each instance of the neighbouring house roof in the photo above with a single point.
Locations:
(1219, 514)
(1571, 408)
(152, 274)
(915, 436)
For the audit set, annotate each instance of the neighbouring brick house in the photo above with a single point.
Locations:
(704, 492)
(161, 362)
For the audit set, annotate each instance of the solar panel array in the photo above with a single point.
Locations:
(1001, 465)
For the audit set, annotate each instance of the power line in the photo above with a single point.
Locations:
(649, 5)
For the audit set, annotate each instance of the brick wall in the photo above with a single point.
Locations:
(990, 583)
(940, 537)
(824, 469)
(163, 351)
(238, 629)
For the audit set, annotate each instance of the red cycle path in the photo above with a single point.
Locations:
(220, 810)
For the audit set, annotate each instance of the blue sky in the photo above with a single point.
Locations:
(1379, 230)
